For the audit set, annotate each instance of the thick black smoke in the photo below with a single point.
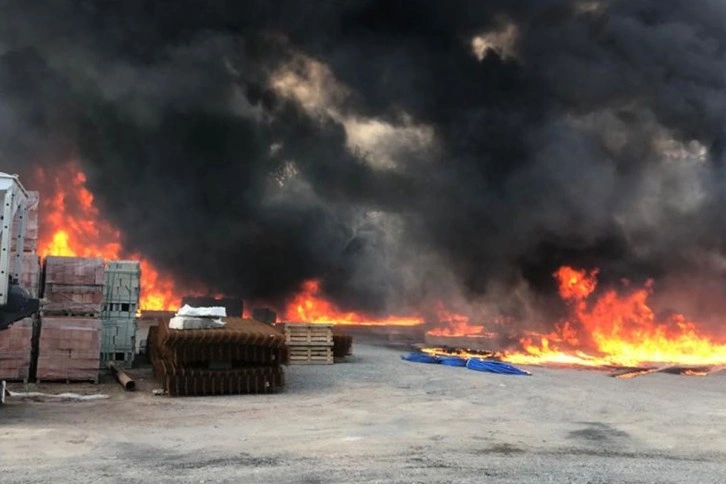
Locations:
(401, 151)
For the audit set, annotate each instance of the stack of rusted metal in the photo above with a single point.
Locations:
(243, 357)
(69, 346)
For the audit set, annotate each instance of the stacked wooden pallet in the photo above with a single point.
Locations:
(69, 344)
(309, 344)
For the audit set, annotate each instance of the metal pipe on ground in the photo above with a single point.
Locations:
(126, 381)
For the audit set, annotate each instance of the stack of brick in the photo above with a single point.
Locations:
(16, 342)
(30, 243)
(69, 349)
(30, 274)
(120, 304)
(243, 357)
(16, 350)
(69, 345)
(73, 286)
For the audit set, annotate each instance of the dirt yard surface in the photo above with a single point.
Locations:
(379, 419)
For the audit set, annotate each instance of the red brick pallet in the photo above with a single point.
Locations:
(75, 271)
(69, 349)
(15, 351)
(72, 300)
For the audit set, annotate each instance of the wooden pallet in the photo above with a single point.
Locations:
(68, 380)
(309, 334)
(311, 355)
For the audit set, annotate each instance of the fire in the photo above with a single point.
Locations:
(309, 306)
(71, 226)
(617, 329)
(452, 324)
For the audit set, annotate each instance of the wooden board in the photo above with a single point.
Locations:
(309, 334)
(311, 355)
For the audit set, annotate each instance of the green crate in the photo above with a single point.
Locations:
(118, 335)
(123, 358)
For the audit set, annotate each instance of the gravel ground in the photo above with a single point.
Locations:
(379, 419)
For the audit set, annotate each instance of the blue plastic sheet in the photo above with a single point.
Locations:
(452, 361)
(420, 358)
(493, 366)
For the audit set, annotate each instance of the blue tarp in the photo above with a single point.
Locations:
(494, 366)
(477, 364)
(452, 361)
(420, 358)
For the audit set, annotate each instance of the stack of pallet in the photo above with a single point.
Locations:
(342, 345)
(69, 345)
(309, 344)
(29, 277)
(243, 357)
(120, 305)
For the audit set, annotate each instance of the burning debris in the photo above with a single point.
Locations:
(447, 191)
(620, 329)
(72, 226)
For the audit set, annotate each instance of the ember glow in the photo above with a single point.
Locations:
(71, 226)
(617, 329)
(309, 306)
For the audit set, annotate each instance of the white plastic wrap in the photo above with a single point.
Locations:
(211, 312)
(185, 322)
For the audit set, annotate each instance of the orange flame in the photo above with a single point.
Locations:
(619, 329)
(309, 306)
(456, 325)
(70, 225)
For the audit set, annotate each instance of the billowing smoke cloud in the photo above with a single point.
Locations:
(401, 151)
